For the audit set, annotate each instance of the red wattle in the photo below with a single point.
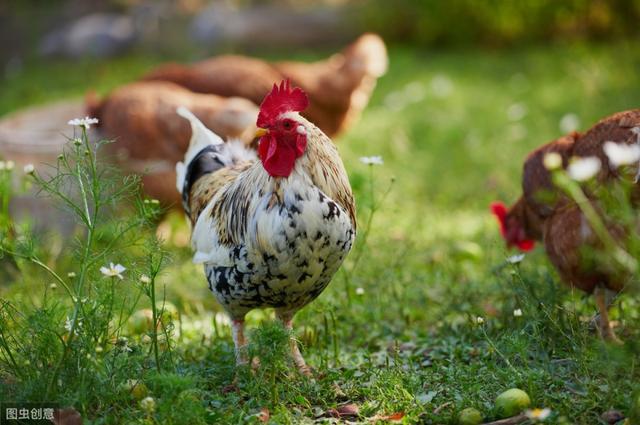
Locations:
(277, 158)
(526, 245)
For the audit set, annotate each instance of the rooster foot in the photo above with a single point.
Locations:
(306, 371)
(605, 325)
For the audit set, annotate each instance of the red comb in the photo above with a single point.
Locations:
(279, 100)
(499, 209)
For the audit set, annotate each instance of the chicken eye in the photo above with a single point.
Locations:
(287, 125)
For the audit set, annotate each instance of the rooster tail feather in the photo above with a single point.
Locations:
(201, 138)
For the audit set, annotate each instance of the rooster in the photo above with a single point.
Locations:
(338, 87)
(271, 230)
(544, 213)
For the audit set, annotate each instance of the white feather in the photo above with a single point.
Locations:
(201, 137)
(205, 242)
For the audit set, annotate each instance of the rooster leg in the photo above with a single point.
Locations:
(298, 360)
(239, 341)
(606, 331)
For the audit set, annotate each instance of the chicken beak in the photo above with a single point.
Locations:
(261, 132)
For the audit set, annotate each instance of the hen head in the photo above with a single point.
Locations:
(282, 132)
(511, 228)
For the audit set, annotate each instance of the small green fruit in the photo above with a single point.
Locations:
(512, 402)
(470, 416)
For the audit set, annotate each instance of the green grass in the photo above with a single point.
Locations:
(408, 340)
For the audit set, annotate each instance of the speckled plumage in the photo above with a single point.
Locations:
(273, 242)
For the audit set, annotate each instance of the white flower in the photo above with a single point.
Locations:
(582, 169)
(71, 275)
(359, 291)
(10, 165)
(538, 414)
(569, 122)
(621, 154)
(29, 169)
(113, 270)
(68, 325)
(515, 259)
(552, 161)
(517, 312)
(145, 279)
(371, 160)
(83, 122)
(148, 404)
(479, 320)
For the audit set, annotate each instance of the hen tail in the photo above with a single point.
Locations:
(367, 55)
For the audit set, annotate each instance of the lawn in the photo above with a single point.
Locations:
(397, 331)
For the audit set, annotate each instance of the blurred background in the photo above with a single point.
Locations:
(81, 28)
(471, 88)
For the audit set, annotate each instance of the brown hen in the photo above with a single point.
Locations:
(545, 213)
(338, 87)
(151, 138)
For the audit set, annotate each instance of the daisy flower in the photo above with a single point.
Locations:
(515, 259)
(29, 169)
(372, 160)
(85, 122)
(621, 154)
(114, 270)
(552, 161)
(582, 169)
(538, 415)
